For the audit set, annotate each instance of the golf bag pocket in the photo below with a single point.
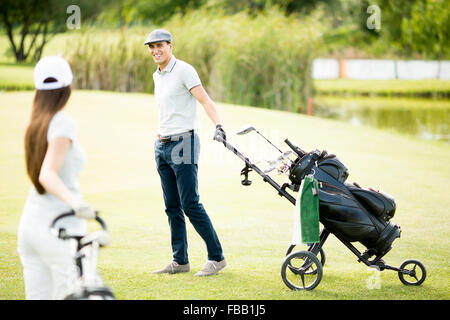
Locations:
(379, 203)
(343, 215)
(334, 168)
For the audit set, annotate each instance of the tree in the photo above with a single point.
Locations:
(288, 6)
(125, 12)
(428, 29)
(34, 22)
(411, 27)
(32, 18)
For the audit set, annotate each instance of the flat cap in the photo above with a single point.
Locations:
(158, 35)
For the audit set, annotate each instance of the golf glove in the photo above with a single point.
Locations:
(83, 210)
(220, 133)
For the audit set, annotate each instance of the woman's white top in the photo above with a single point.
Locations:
(46, 206)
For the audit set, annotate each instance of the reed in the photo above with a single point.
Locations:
(261, 60)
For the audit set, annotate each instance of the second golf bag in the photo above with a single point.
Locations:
(352, 213)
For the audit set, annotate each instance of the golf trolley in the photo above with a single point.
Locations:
(88, 285)
(349, 212)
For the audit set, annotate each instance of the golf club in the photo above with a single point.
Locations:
(250, 129)
(280, 160)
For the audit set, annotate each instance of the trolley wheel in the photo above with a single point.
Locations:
(322, 257)
(301, 270)
(410, 275)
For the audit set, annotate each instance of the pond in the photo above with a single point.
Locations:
(425, 118)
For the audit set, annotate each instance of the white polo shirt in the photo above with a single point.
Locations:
(177, 107)
(45, 207)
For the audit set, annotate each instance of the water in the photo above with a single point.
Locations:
(424, 118)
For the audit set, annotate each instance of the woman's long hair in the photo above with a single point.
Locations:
(45, 105)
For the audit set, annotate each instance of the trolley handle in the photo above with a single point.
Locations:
(62, 232)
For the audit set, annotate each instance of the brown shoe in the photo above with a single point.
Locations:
(211, 268)
(173, 268)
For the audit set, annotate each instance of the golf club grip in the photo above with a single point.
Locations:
(296, 149)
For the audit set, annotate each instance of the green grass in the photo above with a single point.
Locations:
(254, 223)
(16, 77)
(412, 88)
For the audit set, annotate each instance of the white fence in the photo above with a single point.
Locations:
(367, 69)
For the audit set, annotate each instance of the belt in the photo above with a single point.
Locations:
(175, 137)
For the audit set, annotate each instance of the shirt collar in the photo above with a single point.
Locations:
(169, 66)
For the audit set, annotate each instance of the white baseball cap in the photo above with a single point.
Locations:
(52, 67)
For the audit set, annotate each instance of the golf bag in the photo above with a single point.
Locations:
(352, 213)
(349, 212)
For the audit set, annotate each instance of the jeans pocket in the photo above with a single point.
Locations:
(196, 148)
(157, 149)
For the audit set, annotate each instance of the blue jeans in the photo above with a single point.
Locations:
(177, 167)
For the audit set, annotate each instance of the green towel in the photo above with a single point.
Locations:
(309, 211)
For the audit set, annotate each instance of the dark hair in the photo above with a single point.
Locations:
(45, 105)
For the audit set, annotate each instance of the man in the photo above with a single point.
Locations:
(177, 90)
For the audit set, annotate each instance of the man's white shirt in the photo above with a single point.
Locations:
(177, 107)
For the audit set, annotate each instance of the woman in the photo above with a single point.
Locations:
(54, 159)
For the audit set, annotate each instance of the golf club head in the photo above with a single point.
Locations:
(285, 155)
(269, 169)
(272, 165)
(246, 130)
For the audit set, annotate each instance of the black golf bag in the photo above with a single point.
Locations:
(352, 213)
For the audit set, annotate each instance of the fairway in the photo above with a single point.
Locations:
(16, 77)
(254, 224)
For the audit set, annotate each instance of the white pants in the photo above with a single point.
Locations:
(48, 262)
